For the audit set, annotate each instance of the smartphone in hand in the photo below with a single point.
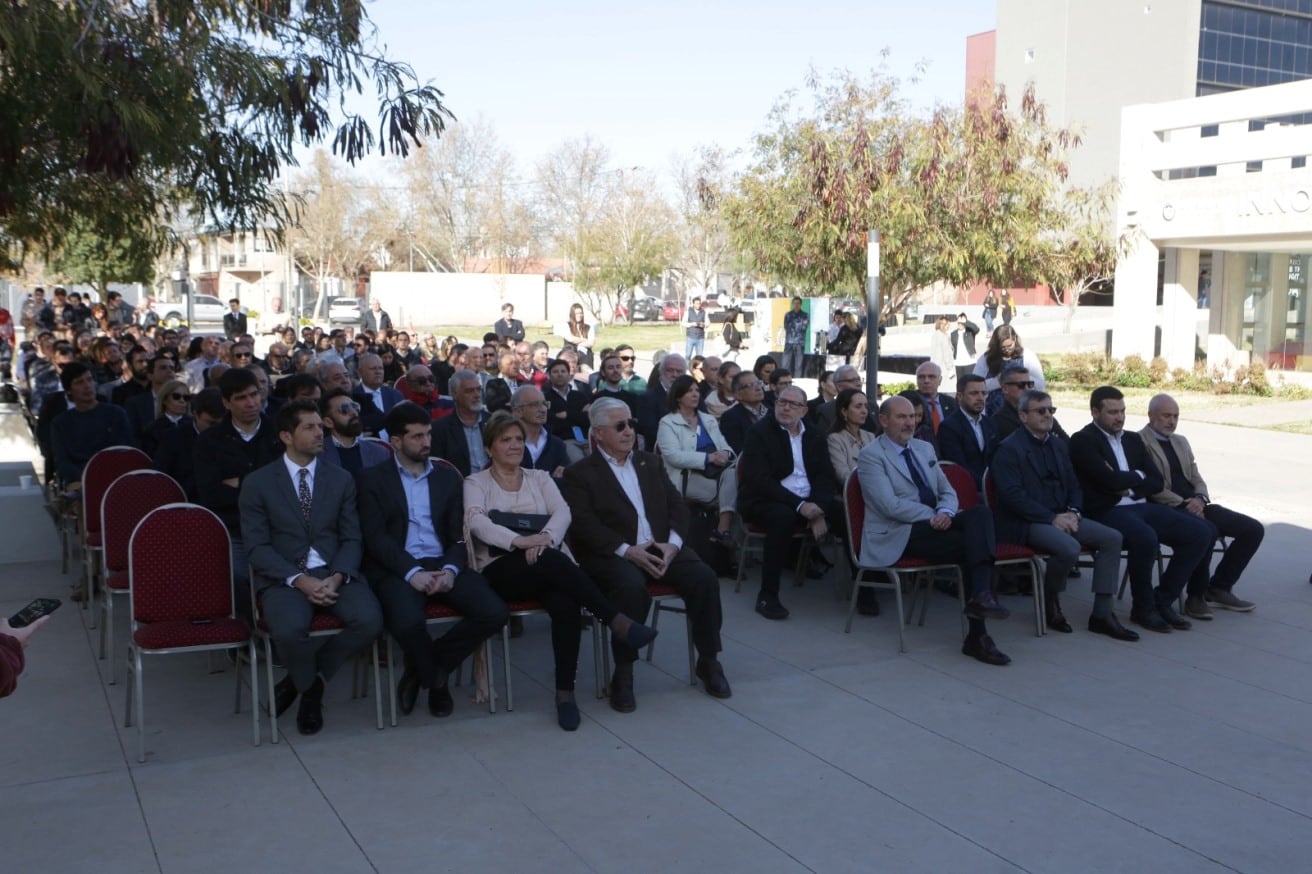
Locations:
(34, 611)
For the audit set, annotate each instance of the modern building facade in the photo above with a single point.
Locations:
(1201, 109)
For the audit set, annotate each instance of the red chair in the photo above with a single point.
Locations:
(104, 467)
(854, 506)
(182, 601)
(1004, 553)
(436, 614)
(663, 598)
(126, 502)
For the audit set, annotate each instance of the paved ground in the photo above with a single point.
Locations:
(1185, 752)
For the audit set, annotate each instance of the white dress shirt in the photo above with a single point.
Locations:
(312, 559)
(627, 476)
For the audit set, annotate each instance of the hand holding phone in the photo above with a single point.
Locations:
(34, 611)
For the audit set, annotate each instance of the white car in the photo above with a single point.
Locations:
(205, 308)
(345, 310)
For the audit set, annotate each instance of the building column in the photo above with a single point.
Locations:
(1134, 311)
(1225, 330)
(1180, 308)
(1272, 315)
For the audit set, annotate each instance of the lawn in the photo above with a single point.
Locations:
(643, 336)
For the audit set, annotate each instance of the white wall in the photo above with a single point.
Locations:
(431, 299)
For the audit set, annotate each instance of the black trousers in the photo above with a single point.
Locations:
(779, 522)
(970, 543)
(626, 586)
(1247, 534)
(403, 610)
(289, 613)
(563, 588)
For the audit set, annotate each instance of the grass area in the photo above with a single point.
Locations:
(1294, 427)
(641, 336)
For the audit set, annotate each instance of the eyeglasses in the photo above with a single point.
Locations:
(757, 384)
(178, 396)
(241, 355)
(625, 424)
(1026, 384)
(1042, 411)
(348, 408)
(796, 405)
(626, 358)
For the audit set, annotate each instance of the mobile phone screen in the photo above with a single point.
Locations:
(34, 611)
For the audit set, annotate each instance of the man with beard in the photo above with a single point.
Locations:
(137, 378)
(342, 428)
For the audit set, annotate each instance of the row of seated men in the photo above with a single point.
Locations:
(800, 485)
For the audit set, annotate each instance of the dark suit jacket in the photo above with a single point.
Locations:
(496, 394)
(734, 425)
(174, 456)
(275, 534)
(553, 456)
(385, 517)
(221, 454)
(956, 443)
(651, 409)
(1030, 489)
(1101, 479)
(1006, 420)
(370, 416)
(767, 458)
(378, 324)
(141, 412)
(124, 392)
(449, 441)
(627, 397)
(946, 401)
(513, 332)
(234, 324)
(572, 406)
(371, 453)
(603, 516)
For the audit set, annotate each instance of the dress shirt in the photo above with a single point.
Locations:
(1119, 451)
(312, 559)
(376, 394)
(536, 447)
(796, 482)
(421, 539)
(627, 476)
(976, 425)
(474, 442)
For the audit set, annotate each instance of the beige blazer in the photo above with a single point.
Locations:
(1187, 463)
(537, 494)
(843, 452)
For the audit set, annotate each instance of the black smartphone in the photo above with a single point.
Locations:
(34, 611)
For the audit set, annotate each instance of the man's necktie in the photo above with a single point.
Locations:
(303, 492)
(927, 496)
(935, 414)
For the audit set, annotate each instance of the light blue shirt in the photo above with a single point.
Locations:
(474, 440)
(421, 538)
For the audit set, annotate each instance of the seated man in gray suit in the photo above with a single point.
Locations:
(911, 511)
(302, 535)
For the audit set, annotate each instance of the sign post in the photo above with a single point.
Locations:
(872, 316)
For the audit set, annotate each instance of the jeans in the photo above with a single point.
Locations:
(693, 346)
(792, 359)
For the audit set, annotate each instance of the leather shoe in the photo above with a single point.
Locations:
(407, 692)
(1173, 619)
(1112, 627)
(567, 715)
(983, 648)
(284, 694)
(440, 703)
(770, 608)
(1057, 621)
(985, 606)
(866, 602)
(622, 698)
(712, 676)
(1150, 619)
(309, 717)
(640, 635)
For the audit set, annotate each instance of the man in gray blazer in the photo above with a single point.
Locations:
(301, 531)
(911, 512)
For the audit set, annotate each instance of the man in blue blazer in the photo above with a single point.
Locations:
(1118, 477)
(966, 434)
(911, 511)
(1039, 504)
(301, 532)
(375, 399)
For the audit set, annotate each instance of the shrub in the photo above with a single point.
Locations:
(1133, 373)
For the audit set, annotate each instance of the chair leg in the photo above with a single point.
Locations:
(655, 620)
(1040, 597)
(141, 707)
(851, 607)
(273, 708)
(598, 671)
(391, 677)
(491, 676)
(255, 692)
(692, 658)
(89, 582)
(505, 655)
(129, 684)
(803, 559)
(742, 563)
(378, 685)
(901, 614)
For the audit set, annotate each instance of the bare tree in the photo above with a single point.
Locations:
(704, 242)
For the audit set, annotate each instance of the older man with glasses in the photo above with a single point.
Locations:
(750, 408)
(627, 532)
(845, 376)
(1014, 381)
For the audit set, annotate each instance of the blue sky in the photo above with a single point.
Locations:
(651, 81)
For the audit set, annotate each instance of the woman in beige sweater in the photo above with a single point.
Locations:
(517, 522)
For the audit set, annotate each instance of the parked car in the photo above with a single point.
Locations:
(345, 311)
(645, 309)
(671, 311)
(204, 308)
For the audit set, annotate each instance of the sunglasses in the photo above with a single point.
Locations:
(178, 396)
(348, 408)
(1042, 411)
(241, 355)
(1027, 384)
(626, 358)
(624, 425)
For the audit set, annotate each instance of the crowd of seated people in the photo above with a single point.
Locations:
(363, 475)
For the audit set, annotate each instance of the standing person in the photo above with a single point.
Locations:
(963, 345)
(990, 311)
(509, 330)
(523, 566)
(849, 336)
(1004, 347)
(579, 336)
(376, 319)
(940, 346)
(627, 533)
(694, 329)
(234, 320)
(1008, 307)
(796, 324)
(732, 333)
(301, 530)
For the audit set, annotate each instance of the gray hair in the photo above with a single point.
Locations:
(325, 366)
(599, 412)
(520, 392)
(1031, 394)
(843, 370)
(795, 389)
(929, 364)
(459, 378)
(1158, 401)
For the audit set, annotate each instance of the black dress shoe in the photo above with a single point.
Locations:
(407, 692)
(712, 676)
(309, 717)
(983, 648)
(985, 606)
(440, 703)
(622, 698)
(1057, 621)
(567, 715)
(866, 602)
(1150, 619)
(1112, 627)
(640, 635)
(284, 694)
(1173, 619)
(770, 608)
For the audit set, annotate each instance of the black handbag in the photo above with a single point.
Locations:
(520, 523)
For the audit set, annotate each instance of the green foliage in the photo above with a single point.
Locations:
(897, 388)
(1092, 369)
(1133, 373)
(87, 257)
(128, 116)
(1294, 392)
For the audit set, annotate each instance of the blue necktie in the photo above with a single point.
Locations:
(927, 496)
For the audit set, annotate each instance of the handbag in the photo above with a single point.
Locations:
(520, 523)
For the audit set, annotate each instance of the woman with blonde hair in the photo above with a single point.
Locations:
(171, 406)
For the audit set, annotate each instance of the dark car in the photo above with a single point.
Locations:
(645, 309)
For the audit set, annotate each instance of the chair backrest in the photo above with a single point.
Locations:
(854, 511)
(386, 444)
(104, 467)
(180, 564)
(990, 490)
(127, 501)
(962, 483)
